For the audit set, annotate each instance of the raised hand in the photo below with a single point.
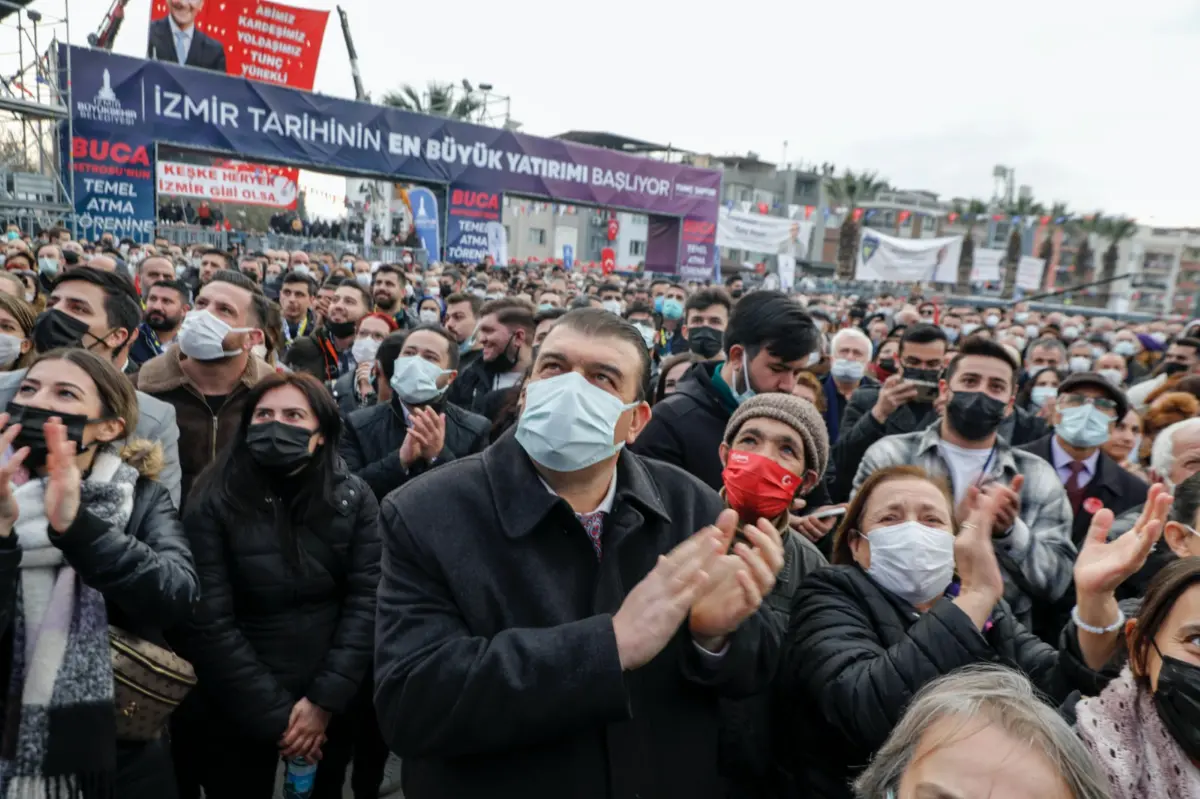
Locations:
(1008, 503)
(653, 611)
(738, 583)
(974, 554)
(62, 476)
(8, 504)
(1103, 565)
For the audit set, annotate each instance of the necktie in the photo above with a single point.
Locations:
(1073, 486)
(593, 525)
(180, 47)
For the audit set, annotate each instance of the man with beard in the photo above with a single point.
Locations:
(505, 337)
(166, 304)
(350, 303)
(388, 291)
(208, 376)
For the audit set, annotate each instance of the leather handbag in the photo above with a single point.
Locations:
(149, 682)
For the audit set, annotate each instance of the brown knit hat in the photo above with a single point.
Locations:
(799, 414)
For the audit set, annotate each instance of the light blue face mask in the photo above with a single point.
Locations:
(465, 347)
(1043, 394)
(749, 392)
(1083, 426)
(414, 380)
(48, 266)
(568, 424)
(847, 370)
(672, 309)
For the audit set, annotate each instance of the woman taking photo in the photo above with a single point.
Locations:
(87, 540)
(287, 548)
(890, 616)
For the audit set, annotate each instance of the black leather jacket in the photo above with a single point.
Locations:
(372, 438)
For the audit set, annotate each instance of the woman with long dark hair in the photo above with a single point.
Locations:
(286, 543)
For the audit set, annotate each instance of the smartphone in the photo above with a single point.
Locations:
(825, 514)
(926, 391)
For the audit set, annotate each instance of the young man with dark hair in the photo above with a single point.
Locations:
(462, 315)
(505, 338)
(578, 560)
(213, 261)
(210, 371)
(1032, 530)
(670, 308)
(766, 345)
(296, 295)
(735, 286)
(350, 303)
(388, 292)
(705, 317)
(168, 301)
(543, 321)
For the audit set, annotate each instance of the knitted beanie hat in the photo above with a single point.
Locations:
(799, 414)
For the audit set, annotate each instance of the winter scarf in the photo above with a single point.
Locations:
(1122, 730)
(59, 734)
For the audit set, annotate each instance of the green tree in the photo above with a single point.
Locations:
(1084, 229)
(1021, 210)
(1046, 249)
(438, 99)
(850, 190)
(970, 213)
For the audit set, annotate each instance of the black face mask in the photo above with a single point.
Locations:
(275, 445)
(1178, 703)
(504, 361)
(922, 375)
(1169, 368)
(887, 366)
(974, 415)
(55, 329)
(33, 433)
(737, 293)
(340, 329)
(705, 341)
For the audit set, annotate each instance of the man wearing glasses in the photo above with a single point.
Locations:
(1087, 410)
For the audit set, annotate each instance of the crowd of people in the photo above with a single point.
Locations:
(549, 533)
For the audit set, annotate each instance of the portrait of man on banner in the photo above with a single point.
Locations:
(176, 39)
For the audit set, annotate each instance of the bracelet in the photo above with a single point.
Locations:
(1112, 628)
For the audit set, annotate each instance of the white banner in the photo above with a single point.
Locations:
(773, 235)
(887, 258)
(225, 184)
(1029, 272)
(787, 273)
(985, 266)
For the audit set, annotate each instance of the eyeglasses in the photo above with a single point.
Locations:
(1102, 404)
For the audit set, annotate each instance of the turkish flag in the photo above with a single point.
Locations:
(614, 227)
(608, 259)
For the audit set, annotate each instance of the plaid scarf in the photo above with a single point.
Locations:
(59, 736)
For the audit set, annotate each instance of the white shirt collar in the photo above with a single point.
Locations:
(606, 504)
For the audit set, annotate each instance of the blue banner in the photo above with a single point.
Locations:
(474, 233)
(425, 218)
(113, 180)
(568, 254)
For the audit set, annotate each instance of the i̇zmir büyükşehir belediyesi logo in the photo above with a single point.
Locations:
(105, 107)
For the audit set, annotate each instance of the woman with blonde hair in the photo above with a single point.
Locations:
(88, 539)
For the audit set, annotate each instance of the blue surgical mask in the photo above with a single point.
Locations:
(1043, 394)
(672, 309)
(658, 303)
(414, 380)
(749, 392)
(465, 347)
(545, 306)
(951, 334)
(1083, 426)
(569, 424)
(847, 370)
(48, 266)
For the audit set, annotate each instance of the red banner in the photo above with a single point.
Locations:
(262, 40)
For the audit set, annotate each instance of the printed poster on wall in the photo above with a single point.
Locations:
(113, 180)
(1029, 272)
(473, 229)
(985, 266)
(888, 258)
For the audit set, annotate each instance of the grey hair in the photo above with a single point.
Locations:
(1162, 454)
(1000, 696)
(1048, 341)
(851, 332)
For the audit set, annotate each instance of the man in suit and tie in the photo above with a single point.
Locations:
(175, 38)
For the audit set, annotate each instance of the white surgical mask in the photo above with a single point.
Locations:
(1097, 351)
(969, 328)
(1020, 317)
(1043, 394)
(1113, 376)
(914, 562)
(301, 269)
(648, 334)
(1019, 343)
(845, 369)
(10, 349)
(363, 279)
(364, 349)
(1125, 348)
(613, 306)
(569, 424)
(992, 320)
(414, 380)
(1031, 330)
(1079, 363)
(48, 266)
(260, 350)
(202, 336)
(1071, 332)
(429, 316)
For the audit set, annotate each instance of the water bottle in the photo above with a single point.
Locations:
(299, 778)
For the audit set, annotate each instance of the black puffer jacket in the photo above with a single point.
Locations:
(687, 427)
(264, 635)
(371, 444)
(854, 657)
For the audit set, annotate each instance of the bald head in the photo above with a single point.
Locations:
(103, 263)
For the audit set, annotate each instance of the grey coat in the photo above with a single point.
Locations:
(156, 422)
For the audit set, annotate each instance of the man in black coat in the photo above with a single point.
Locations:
(505, 338)
(407, 432)
(542, 630)
(178, 29)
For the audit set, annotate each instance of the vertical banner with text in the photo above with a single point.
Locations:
(114, 186)
(473, 229)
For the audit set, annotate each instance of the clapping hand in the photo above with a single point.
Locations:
(8, 504)
(1103, 565)
(1008, 503)
(738, 583)
(974, 553)
(62, 477)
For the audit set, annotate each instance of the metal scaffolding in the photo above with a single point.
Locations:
(35, 118)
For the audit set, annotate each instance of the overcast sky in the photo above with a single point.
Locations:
(1094, 102)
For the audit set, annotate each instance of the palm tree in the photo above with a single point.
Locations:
(1085, 228)
(438, 99)
(1115, 229)
(1023, 208)
(970, 213)
(849, 190)
(1046, 250)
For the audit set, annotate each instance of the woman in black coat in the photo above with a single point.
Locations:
(889, 617)
(287, 548)
(87, 540)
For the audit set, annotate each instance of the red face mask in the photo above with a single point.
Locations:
(758, 487)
